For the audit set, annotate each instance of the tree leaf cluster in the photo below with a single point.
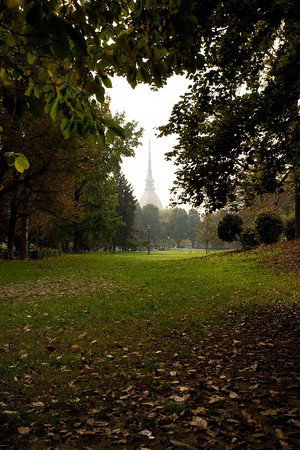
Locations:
(238, 125)
(59, 57)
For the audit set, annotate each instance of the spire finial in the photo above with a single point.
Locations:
(149, 161)
(149, 179)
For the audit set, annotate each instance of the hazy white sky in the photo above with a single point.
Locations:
(150, 109)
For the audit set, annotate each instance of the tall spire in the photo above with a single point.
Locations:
(150, 196)
(149, 179)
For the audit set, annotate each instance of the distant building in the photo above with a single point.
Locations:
(150, 196)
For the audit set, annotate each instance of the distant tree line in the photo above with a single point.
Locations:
(174, 227)
(269, 219)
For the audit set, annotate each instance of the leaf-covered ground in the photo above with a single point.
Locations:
(229, 381)
(71, 286)
(237, 387)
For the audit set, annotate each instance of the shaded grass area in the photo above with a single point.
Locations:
(79, 329)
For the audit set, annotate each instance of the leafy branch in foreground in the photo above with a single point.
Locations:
(58, 57)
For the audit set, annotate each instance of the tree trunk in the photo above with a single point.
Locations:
(65, 246)
(297, 207)
(11, 229)
(24, 237)
(76, 236)
(77, 240)
(242, 240)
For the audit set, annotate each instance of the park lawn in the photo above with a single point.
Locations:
(78, 327)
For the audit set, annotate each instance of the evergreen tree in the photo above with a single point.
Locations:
(125, 232)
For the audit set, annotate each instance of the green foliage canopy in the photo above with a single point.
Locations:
(268, 226)
(178, 225)
(230, 227)
(58, 56)
(238, 125)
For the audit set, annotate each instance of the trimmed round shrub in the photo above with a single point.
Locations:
(230, 227)
(290, 228)
(250, 238)
(269, 227)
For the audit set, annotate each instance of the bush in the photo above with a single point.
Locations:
(250, 238)
(47, 252)
(230, 227)
(268, 226)
(290, 228)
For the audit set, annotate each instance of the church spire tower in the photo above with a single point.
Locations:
(150, 196)
(149, 179)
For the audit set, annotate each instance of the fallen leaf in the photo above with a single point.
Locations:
(254, 366)
(81, 431)
(37, 404)
(101, 424)
(233, 395)
(199, 423)
(182, 399)
(280, 434)
(147, 433)
(199, 410)
(77, 347)
(269, 412)
(296, 422)
(216, 399)
(23, 430)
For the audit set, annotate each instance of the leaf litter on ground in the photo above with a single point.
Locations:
(235, 387)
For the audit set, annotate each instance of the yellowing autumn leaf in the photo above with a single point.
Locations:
(21, 162)
(77, 347)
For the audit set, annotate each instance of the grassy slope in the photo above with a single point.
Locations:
(110, 314)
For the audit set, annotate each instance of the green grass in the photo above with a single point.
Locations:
(90, 322)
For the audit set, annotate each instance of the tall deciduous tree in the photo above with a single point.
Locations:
(51, 156)
(238, 126)
(178, 225)
(208, 230)
(193, 224)
(96, 226)
(96, 193)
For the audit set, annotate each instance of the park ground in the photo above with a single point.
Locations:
(163, 351)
